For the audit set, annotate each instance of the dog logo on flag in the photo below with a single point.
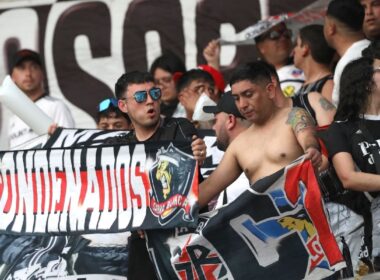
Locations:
(171, 178)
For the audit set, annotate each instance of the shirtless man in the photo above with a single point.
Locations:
(279, 134)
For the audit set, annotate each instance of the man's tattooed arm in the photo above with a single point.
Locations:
(304, 131)
(326, 105)
(299, 120)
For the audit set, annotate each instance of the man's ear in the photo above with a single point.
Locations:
(271, 88)
(330, 27)
(305, 50)
(231, 122)
(260, 48)
(122, 104)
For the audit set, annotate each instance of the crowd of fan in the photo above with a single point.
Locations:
(316, 94)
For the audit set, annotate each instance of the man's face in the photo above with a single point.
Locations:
(190, 94)
(145, 114)
(252, 100)
(164, 80)
(222, 137)
(113, 122)
(28, 76)
(276, 45)
(371, 23)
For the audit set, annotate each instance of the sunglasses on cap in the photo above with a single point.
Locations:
(106, 103)
(142, 95)
(276, 34)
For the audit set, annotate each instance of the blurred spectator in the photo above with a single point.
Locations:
(371, 23)
(218, 81)
(110, 117)
(354, 149)
(343, 32)
(195, 88)
(313, 56)
(229, 123)
(166, 69)
(275, 47)
(27, 73)
(319, 108)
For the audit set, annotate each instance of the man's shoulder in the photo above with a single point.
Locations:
(298, 118)
(242, 137)
(176, 129)
(352, 53)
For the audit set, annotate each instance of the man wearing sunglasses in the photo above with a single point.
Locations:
(275, 47)
(140, 99)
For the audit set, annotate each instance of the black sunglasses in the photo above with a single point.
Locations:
(276, 34)
(142, 95)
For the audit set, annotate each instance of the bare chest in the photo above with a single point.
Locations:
(266, 152)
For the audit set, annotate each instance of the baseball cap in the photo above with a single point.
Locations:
(225, 104)
(25, 54)
(216, 75)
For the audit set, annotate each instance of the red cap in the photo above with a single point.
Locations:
(216, 75)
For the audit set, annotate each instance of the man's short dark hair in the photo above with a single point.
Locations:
(169, 62)
(194, 75)
(312, 35)
(134, 77)
(348, 12)
(112, 110)
(255, 72)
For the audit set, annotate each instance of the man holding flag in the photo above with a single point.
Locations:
(277, 137)
(277, 228)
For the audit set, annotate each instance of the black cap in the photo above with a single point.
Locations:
(23, 55)
(225, 104)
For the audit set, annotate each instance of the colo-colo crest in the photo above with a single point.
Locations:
(171, 178)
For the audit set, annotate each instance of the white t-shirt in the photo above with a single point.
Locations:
(352, 53)
(291, 79)
(19, 132)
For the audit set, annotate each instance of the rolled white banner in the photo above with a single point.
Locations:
(20, 104)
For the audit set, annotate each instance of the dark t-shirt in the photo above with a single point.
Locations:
(176, 129)
(347, 137)
(301, 99)
(314, 86)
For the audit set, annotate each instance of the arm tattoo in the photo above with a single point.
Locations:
(299, 120)
(325, 104)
